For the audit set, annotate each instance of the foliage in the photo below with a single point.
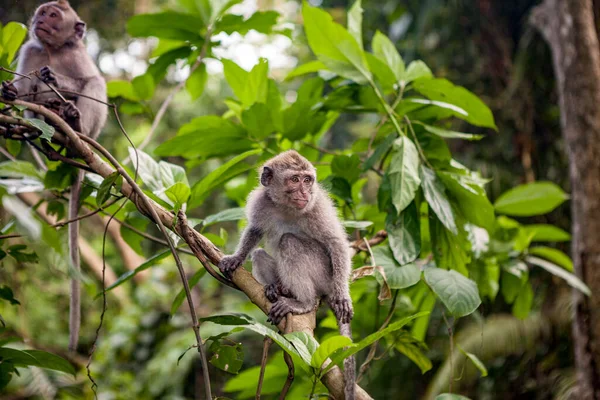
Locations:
(447, 240)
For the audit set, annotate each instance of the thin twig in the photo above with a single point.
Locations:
(321, 149)
(451, 335)
(15, 73)
(6, 154)
(288, 360)
(263, 365)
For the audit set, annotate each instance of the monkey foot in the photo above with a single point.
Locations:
(279, 310)
(342, 308)
(272, 292)
(9, 91)
(229, 264)
(47, 76)
(53, 105)
(69, 111)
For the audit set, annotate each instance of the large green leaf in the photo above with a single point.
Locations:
(471, 199)
(381, 149)
(547, 233)
(435, 194)
(445, 133)
(443, 90)
(413, 349)
(355, 22)
(257, 119)
(308, 68)
(196, 81)
(459, 294)
(232, 214)
(227, 171)
(143, 86)
(13, 35)
(404, 235)
(327, 348)
(571, 279)
(554, 255)
(260, 21)
(121, 88)
(398, 277)
(19, 169)
(346, 167)
(249, 87)
(416, 70)
(334, 46)
(523, 302)
(206, 136)
(449, 250)
(36, 358)
(339, 357)
(166, 25)
(384, 50)
(531, 199)
(404, 173)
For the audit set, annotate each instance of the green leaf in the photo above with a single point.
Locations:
(355, 22)
(121, 88)
(554, 255)
(232, 214)
(382, 73)
(217, 177)
(404, 235)
(334, 46)
(308, 68)
(7, 294)
(228, 358)
(339, 357)
(196, 81)
(143, 86)
(249, 87)
(471, 199)
(361, 225)
(327, 348)
(13, 35)
(51, 361)
(385, 51)
(381, 149)
(476, 361)
(416, 70)
(412, 349)
(459, 294)
(449, 250)
(104, 189)
(346, 167)
(17, 357)
(47, 130)
(444, 133)
(535, 198)
(18, 254)
(134, 239)
(404, 173)
(13, 147)
(443, 90)
(305, 344)
(547, 233)
(166, 25)
(19, 169)
(260, 21)
(206, 136)
(257, 119)
(179, 193)
(398, 277)
(435, 194)
(523, 302)
(144, 266)
(571, 279)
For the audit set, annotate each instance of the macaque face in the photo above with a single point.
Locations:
(298, 188)
(47, 23)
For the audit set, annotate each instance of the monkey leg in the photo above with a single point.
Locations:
(264, 270)
(286, 305)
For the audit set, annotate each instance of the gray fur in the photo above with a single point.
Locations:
(307, 254)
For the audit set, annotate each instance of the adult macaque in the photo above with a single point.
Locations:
(308, 255)
(55, 53)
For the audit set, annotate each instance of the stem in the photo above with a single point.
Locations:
(389, 111)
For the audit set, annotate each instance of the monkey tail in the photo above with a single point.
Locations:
(75, 300)
(349, 366)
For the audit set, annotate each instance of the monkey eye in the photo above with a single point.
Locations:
(53, 15)
(295, 179)
(308, 179)
(43, 13)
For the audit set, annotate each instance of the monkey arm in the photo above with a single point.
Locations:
(93, 113)
(250, 238)
(339, 300)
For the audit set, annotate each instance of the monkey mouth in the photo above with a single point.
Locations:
(37, 28)
(300, 203)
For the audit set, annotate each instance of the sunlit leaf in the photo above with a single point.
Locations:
(384, 50)
(196, 81)
(531, 199)
(458, 293)
(327, 348)
(570, 278)
(404, 173)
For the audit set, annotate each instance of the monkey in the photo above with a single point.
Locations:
(56, 53)
(308, 253)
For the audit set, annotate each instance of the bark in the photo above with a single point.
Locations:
(568, 27)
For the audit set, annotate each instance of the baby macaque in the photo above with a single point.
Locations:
(308, 254)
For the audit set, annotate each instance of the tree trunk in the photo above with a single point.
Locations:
(568, 27)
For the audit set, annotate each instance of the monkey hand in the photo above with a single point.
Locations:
(342, 308)
(54, 105)
(47, 76)
(228, 264)
(9, 91)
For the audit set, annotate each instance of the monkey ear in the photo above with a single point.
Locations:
(80, 29)
(267, 176)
